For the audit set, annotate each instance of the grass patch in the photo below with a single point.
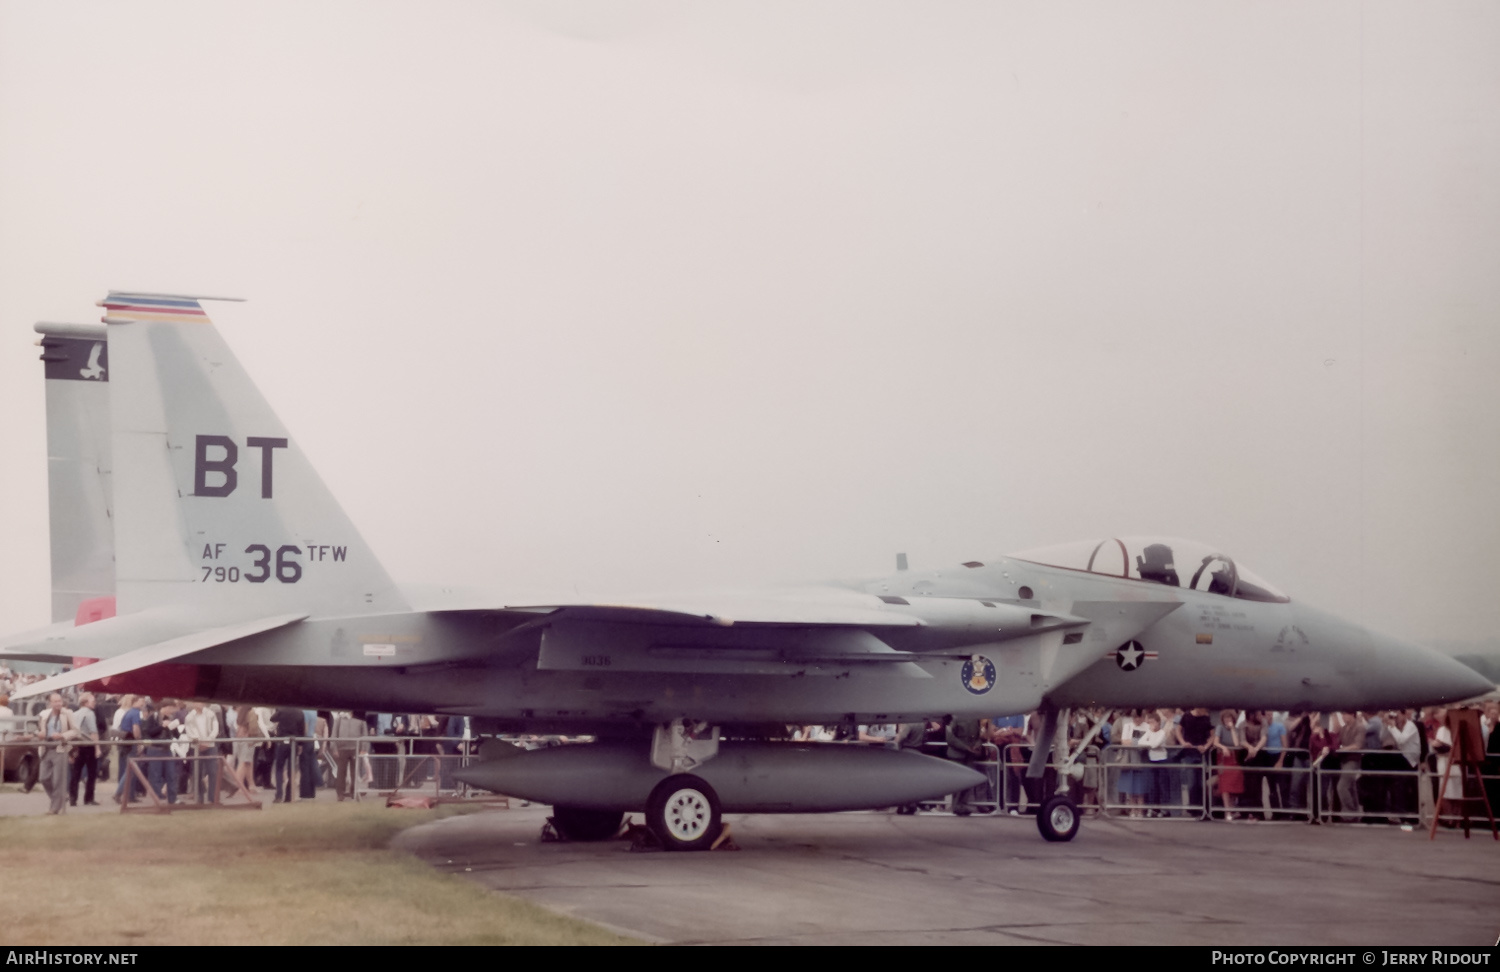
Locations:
(304, 874)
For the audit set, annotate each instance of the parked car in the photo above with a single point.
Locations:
(20, 759)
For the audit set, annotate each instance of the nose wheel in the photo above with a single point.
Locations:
(1058, 819)
(683, 813)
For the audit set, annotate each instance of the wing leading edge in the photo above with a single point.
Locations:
(151, 654)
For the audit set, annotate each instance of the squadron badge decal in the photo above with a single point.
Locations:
(978, 675)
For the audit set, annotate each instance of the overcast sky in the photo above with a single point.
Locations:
(598, 296)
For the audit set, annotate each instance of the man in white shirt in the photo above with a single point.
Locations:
(56, 730)
(201, 726)
(1400, 733)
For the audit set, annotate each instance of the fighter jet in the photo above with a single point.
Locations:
(238, 577)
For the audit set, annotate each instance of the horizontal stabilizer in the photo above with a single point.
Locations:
(155, 654)
(47, 644)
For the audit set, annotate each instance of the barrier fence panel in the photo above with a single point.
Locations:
(1271, 786)
(1181, 782)
(389, 766)
(1379, 785)
(1024, 795)
(1136, 784)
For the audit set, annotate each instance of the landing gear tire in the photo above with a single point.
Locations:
(28, 771)
(683, 813)
(577, 823)
(1058, 819)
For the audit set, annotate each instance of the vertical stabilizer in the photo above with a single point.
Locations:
(216, 505)
(79, 498)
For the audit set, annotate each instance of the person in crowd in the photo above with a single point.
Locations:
(202, 729)
(1153, 743)
(1133, 781)
(123, 705)
(965, 746)
(247, 736)
(265, 751)
(307, 756)
(1008, 734)
(1374, 785)
(1296, 761)
(323, 733)
(1274, 764)
(1350, 740)
(348, 730)
(159, 726)
(85, 754)
(288, 722)
(1194, 734)
(1448, 786)
(1253, 731)
(55, 729)
(1489, 727)
(1401, 734)
(1229, 751)
(1322, 740)
(129, 787)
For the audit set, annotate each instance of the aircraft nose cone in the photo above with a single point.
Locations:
(1424, 676)
(1374, 671)
(1461, 681)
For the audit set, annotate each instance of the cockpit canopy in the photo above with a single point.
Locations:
(1158, 560)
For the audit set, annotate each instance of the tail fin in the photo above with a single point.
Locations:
(216, 506)
(78, 465)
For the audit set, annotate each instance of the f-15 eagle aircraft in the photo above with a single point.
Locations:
(239, 578)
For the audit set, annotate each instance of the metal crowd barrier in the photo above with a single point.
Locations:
(1007, 790)
(388, 766)
(1022, 795)
(1359, 785)
(169, 774)
(1191, 784)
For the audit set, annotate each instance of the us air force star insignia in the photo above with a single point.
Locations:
(978, 674)
(1129, 656)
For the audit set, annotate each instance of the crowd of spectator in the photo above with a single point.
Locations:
(192, 750)
(1240, 765)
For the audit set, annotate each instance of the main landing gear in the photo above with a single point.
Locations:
(683, 813)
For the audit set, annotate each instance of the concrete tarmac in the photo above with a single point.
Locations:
(937, 879)
(879, 878)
